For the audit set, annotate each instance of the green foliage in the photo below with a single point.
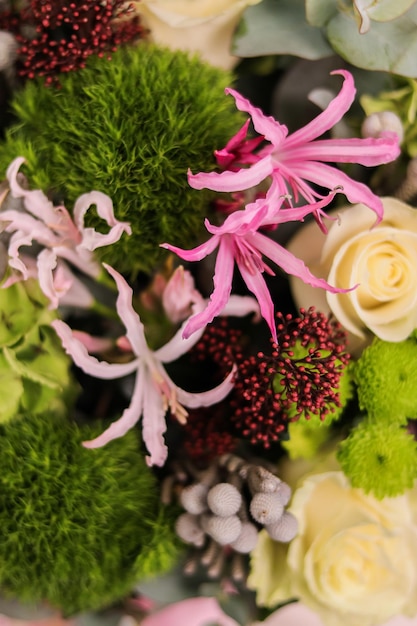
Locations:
(382, 37)
(34, 369)
(75, 522)
(129, 127)
(386, 379)
(380, 458)
(279, 27)
(403, 101)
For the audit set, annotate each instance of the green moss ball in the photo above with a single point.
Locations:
(76, 523)
(129, 127)
(379, 458)
(386, 377)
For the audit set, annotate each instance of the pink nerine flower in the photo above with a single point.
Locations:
(154, 392)
(238, 240)
(297, 160)
(61, 236)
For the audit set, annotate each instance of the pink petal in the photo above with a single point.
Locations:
(222, 280)
(179, 295)
(127, 420)
(239, 306)
(255, 282)
(178, 344)
(81, 258)
(329, 117)
(207, 398)
(195, 254)
(93, 344)
(368, 152)
(288, 262)
(294, 614)
(90, 238)
(233, 181)
(89, 364)
(134, 327)
(17, 240)
(191, 612)
(26, 224)
(265, 125)
(355, 192)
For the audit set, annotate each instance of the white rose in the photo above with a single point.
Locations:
(204, 26)
(354, 561)
(381, 260)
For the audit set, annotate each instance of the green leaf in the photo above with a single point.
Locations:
(384, 10)
(387, 46)
(279, 27)
(11, 390)
(319, 12)
(17, 314)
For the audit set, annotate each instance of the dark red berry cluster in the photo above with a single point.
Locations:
(64, 34)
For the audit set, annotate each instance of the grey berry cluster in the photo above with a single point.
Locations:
(225, 508)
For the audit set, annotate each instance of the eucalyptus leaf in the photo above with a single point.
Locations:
(319, 12)
(384, 10)
(279, 27)
(387, 46)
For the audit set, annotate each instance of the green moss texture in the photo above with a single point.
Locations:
(129, 127)
(76, 523)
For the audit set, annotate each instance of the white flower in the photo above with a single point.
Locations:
(204, 26)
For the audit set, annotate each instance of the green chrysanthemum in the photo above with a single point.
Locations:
(76, 523)
(380, 458)
(386, 377)
(129, 127)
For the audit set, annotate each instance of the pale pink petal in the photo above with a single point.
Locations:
(81, 258)
(329, 117)
(154, 424)
(206, 398)
(93, 344)
(51, 286)
(91, 239)
(355, 192)
(178, 344)
(134, 327)
(89, 364)
(195, 254)
(191, 612)
(19, 221)
(46, 621)
(239, 306)
(368, 152)
(222, 281)
(179, 295)
(294, 614)
(77, 295)
(17, 240)
(272, 130)
(241, 222)
(127, 420)
(233, 181)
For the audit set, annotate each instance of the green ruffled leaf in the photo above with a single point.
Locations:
(279, 27)
(11, 391)
(17, 314)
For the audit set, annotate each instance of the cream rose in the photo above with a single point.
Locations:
(354, 561)
(381, 260)
(204, 26)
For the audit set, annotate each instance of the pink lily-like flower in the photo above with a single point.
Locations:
(154, 392)
(62, 237)
(298, 160)
(238, 240)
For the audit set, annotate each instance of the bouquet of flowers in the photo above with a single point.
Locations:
(208, 338)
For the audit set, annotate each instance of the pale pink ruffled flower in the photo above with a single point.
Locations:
(202, 611)
(154, 392)
(298, 161)
(62, 237)
(238, 241)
